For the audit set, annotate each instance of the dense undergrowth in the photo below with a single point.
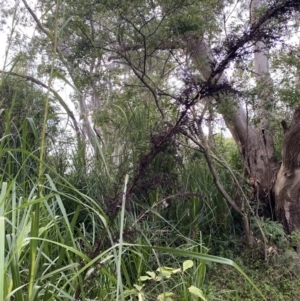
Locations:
(75, 227)
(277, 278)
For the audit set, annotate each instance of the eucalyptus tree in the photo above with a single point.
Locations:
(180, 53)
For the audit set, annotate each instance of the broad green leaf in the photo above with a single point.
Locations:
(197, 293)
(166, 271)
(165, 296)
(145, 278)
(187, 264)
(151, 274)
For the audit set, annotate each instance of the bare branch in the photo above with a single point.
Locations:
(214, 173)
(39, 24)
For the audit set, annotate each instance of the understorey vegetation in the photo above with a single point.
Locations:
(149, 150)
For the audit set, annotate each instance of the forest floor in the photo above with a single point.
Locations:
(277, 277)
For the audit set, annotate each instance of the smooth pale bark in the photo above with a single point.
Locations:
(264, 145)
(85, 117)
(255, 144)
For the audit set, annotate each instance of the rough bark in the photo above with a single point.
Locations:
(287, 185)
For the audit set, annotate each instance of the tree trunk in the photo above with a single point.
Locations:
(287, 185)
(255, 142)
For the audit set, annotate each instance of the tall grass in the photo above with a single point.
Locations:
(49, 251)
(64, 268)
(57, 252)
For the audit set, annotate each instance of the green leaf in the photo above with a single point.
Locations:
(165, 271)
(129, 292)
(197, 293)
(138, 287)
(151, 274)
(205, 257)
(176, 271)
(145, 278)
(187, 264)
(165, 296)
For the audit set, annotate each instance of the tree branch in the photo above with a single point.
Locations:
(39, 24)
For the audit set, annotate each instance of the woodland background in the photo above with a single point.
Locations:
(149, 150)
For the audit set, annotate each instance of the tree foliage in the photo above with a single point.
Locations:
(186, 102)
